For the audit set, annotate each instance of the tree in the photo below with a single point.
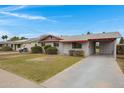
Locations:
(17, 38)
(121, 40)
(14, 38)
(88, 33)
(22, 38)
(6, 37)
(3, 37)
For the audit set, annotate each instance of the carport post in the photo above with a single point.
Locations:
(115, 49)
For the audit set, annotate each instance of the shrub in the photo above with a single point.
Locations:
(36, 49)
(120, 49)
(6, 48)
(71, 52)
(51, 50)
(47, 46)
(76, 53)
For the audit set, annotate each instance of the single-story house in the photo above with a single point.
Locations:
(100, 43)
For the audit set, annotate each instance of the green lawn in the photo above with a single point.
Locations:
(36, 67)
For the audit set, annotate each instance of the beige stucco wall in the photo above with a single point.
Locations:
(85, 47)
(49, 43)
(65, 47)
(107, 47)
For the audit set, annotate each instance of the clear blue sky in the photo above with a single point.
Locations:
(33, 21)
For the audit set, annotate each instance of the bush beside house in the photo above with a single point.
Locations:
(76, 53)
(51, 50)
(45, 47)
(36, 49)
(48, 49)
(120, 49)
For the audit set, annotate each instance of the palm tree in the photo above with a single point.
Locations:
(121, 40)
(6, 37)
(3, 37)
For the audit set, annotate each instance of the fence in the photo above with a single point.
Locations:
(120, 49)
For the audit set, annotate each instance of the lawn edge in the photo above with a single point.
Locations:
(119, 67)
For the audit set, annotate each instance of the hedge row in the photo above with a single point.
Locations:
(76, 53)
(48, 49)
(6, 48)
(36, 49)
(51, 50)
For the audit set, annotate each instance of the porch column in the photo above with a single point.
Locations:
(15, 47)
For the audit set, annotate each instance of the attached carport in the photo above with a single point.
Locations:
(104, 46)
(105, 42)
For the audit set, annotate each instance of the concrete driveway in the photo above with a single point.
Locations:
(92, 72)
(9, 80)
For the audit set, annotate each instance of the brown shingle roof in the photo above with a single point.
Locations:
(92, 36)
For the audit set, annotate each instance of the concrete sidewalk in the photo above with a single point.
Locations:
(6, 53)
(92, 72)
(9, 80)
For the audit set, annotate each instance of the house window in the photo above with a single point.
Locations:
(42, 44)
(76, 45)
(56, 44)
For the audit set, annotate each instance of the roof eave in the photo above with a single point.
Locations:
(64, 41)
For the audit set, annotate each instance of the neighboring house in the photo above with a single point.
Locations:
(101, 43)
(2, 44)
(16, 45)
